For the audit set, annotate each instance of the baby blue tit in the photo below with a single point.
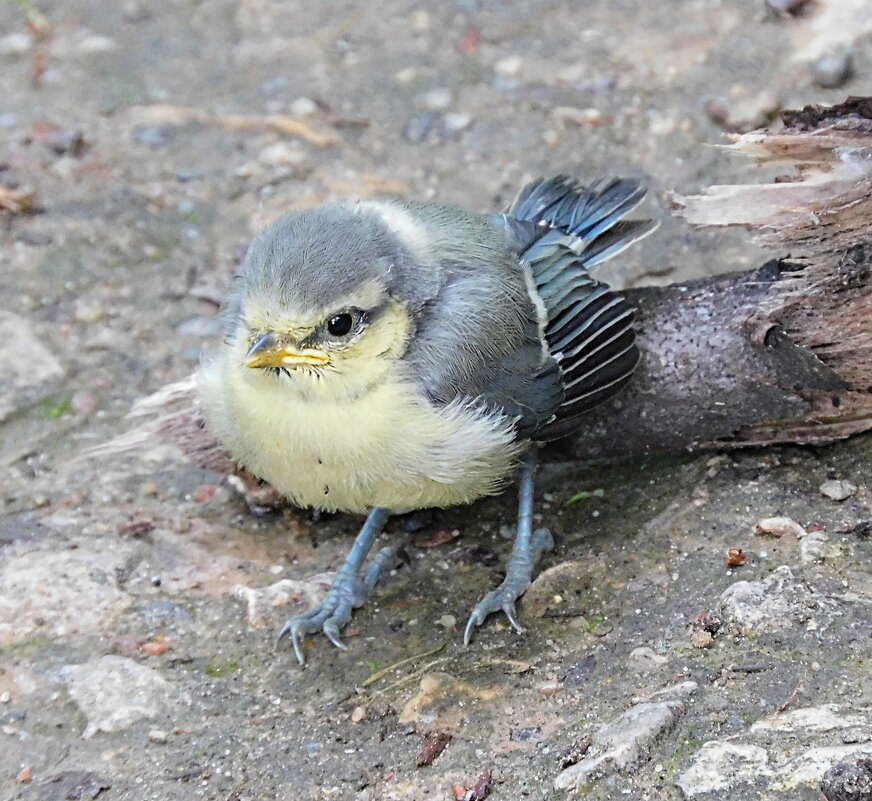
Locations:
(386, 356)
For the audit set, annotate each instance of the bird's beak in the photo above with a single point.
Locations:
(269, 351)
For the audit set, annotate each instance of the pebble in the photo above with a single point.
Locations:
(778, 527)
(508, 66)
(282, 154)
(701, 639)
(5, 697)
(832, 70)
(437, 99)
(157, 736)
(850, 780)
(777, 603)
(358, 714)
(645, 659)
(272, 85)
(303, 107)
(25, 775)
(155, 135)
(744, 114)
(622, 743)
(447, 621)
(88, 310)
(454, 123)
(838, 490)
(16, 44)
(94, 43)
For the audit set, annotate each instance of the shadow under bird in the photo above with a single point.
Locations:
(386, 356)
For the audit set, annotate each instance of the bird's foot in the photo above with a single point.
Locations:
(349, 591)
(519, 573)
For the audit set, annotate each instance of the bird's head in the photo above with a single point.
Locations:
(319, 303)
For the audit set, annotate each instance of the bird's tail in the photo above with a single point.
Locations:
(592, 216)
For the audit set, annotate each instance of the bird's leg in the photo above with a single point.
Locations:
(348, 590)
(526, 551)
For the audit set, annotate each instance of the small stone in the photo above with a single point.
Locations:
(25, 775)
(5, 697)
(303, 107)
(580, 117)
(447, 621)
(622, 743)
(358, 714)
(745, 114)
(16, 44)
(812, 547)
(548, 688)
(701, 639)
(155, 135)
(94, 43)
(420, 20)
(777, 603)
(719, 767)
(850, 780)
(88, 310)
(838, 490)
(437, 99)
(645, 659)
(509, 66)
(778, 527)
(150, 488)
(455, 123)
(832, 70)
(282, 154)
(157, 736)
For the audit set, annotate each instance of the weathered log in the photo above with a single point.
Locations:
(778, 354)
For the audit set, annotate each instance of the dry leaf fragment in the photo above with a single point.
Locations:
(735, 557)
(433, 745)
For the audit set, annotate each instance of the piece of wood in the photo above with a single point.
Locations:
(778, 354)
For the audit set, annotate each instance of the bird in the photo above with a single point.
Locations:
(382, 356)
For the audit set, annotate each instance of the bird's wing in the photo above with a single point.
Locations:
(478, 335)
(561, 230)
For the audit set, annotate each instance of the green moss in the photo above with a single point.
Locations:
(219, 670)
(55, 409)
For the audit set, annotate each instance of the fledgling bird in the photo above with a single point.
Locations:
(386, 356)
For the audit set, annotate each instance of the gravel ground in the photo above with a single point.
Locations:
(139, 598)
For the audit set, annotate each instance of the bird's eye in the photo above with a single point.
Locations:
(340, 324)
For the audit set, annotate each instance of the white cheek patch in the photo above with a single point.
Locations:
(405, 226)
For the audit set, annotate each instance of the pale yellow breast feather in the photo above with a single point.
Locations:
(389, 447)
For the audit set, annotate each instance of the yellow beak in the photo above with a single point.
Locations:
(268, 351)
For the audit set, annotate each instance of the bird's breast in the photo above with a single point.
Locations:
(388, 447)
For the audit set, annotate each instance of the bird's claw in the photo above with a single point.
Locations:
(518, 576)
(330, 616)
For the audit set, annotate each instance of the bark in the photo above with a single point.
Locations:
(778, 354)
